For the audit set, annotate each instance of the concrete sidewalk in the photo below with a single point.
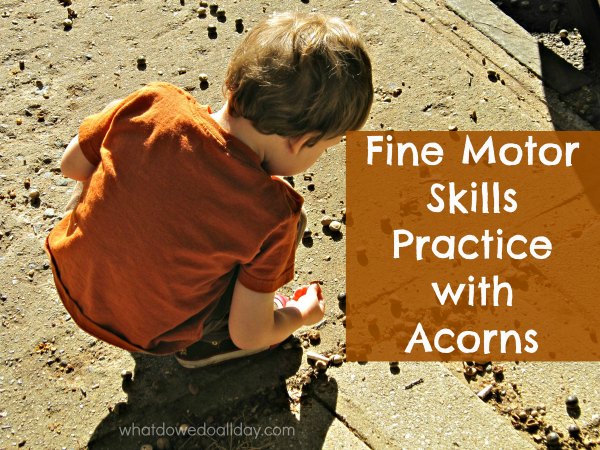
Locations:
(439, 62)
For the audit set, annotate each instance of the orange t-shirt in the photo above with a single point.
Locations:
(175, 206)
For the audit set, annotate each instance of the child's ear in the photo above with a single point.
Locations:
(296, 143)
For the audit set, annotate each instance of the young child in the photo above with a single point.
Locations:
(183, 232)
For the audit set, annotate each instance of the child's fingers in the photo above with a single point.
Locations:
(315, 289)
(318, 287)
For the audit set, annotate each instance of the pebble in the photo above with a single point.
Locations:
(485, 392)
(201, 12)
(193, 388)
(67, 23)
(141, 60)
(493, 75)
(326, 220)
(162, 443)
(220, 12)
(203, 78)
(147, 447)
(181, 70)
(34, 194)
(563, 33)
(49, 212)
(335, 226)
(22, 64)
(574, 430)
(452, 127)
(19, 121)
(341, 297)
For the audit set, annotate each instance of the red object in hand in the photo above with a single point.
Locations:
(302, 291)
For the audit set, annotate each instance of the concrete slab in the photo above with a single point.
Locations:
(497, 26)
(441, 412)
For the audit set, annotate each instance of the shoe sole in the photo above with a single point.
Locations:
(191, 364)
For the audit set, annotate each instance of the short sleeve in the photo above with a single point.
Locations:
(274, 265)
(93, 129)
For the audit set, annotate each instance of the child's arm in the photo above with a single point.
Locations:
(74, 164)
(253, 323)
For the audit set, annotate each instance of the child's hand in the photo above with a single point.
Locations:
(309, 300)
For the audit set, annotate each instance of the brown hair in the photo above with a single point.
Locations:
(297, 73)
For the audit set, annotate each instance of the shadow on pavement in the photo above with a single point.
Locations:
(236, 405)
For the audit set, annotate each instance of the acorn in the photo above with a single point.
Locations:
(126, 375)
(572, 401)
(34, 194)
(552, 439)
(314, 336)
(162, 443)
(336, 360)
(321, 366)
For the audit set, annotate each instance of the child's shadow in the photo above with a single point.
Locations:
(240, 405)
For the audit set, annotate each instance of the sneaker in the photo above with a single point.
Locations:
(203, 353)
(207, 353)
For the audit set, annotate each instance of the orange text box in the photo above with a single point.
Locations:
(473, 246)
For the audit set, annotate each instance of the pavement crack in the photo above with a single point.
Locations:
(343, 420)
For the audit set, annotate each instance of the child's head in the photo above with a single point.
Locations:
(301, 73)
